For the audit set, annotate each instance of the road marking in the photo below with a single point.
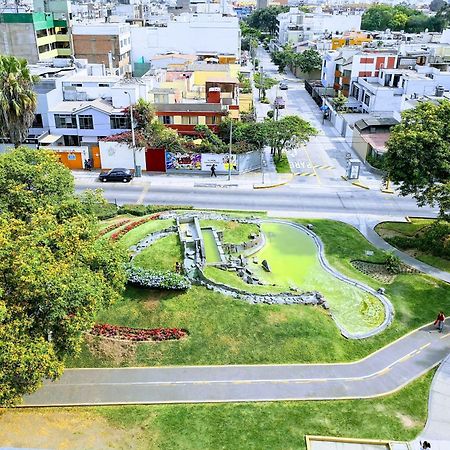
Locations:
(306, 174)
(424, 346)
(324, 167)
(312, 165)
(144, 192)
(445, 336)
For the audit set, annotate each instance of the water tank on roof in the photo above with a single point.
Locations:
(439, 91)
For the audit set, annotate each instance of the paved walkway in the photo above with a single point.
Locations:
(383, 372)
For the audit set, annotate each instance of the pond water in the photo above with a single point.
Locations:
(211, 250)
(293, 259)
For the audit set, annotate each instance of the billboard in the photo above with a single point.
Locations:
(221, 162)
(183, 161)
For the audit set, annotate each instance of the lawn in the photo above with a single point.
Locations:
(140, 232)
(228, 331)
(259, 426)
(282, 165)
(390, 230)
(162, 255)
(233, 231)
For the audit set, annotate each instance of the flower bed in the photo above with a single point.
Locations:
(156, 279)
(132, 225)
(138, 334)
(113, 226)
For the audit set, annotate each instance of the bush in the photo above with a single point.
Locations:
(265, 100)
(138, 334)
(393, 263)
(161, 208)
(156, 279)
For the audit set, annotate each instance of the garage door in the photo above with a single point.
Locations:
(155, 160)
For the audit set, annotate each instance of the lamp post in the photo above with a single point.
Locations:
(229, 150)
(133, 137)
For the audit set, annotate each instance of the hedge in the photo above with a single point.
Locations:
(142, 210)
(156, 279)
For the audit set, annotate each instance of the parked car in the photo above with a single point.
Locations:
(279, 103)
(116, 174)
(283, 86)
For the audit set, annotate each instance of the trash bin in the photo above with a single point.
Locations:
(138, 171)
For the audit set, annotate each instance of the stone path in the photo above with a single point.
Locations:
(383, 372)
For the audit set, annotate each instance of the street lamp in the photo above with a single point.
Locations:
(133, 137)
(229, 150)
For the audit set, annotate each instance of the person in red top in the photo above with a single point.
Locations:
(439, 322)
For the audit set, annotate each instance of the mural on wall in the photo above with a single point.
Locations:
(183, 161)
(220, 160)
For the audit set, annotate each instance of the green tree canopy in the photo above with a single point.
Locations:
(265, 19)
(436, 5)
(418, 156)
(55, 274)
(287, 133)
(17, 99)
(308, 61)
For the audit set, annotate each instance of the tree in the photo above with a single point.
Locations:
(30, 180)
(340, 101)
(418, 156)
(263, 83)
(55, 274)
(283, 58)
(17, 99)
(308, 61)
(287, 133)
(436, 5)
(265, 19)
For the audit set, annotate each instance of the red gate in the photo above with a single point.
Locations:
(155, 159)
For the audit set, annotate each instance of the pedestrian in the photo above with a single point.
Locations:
(213, 171)
(91, 164)
(425, 445)
(86, 164)
(439, 322)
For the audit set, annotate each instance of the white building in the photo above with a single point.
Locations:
(296, 26)
(203, 34)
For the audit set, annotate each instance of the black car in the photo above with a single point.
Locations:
(124, 175)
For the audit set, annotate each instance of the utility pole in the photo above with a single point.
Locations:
(133, 137)
(229, 150)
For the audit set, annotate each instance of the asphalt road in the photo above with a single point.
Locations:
(295, 198)
(383, 372)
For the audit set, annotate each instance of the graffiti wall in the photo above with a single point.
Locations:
(183, 161)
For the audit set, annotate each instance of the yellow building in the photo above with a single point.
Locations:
(349, 39)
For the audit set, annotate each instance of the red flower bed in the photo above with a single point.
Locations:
(118, 234)
(113, 226)
(138, 334)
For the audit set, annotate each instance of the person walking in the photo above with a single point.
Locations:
(439, 322)
(425, 445)
(213, 171)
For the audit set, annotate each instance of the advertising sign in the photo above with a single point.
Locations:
(220, 160)
(183, 161)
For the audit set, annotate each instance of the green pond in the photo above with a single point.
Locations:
(211, 250)
(293, 260)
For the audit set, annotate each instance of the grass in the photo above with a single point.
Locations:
(233, 231)
(388, 230)
(231, 426)
(282, 165)
(227, 331)
(139, 233)
(162, 255)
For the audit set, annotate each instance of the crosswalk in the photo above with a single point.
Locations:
(306, 174)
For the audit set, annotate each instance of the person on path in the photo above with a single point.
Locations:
(425, 445)
(439, 322)
(213, 171)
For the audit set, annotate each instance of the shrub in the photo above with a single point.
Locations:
(393, 263)
(113, 226)
(156, 279)
(138, 334)
(134, 210)
(107, 211)
(160, 208)
(118, 234)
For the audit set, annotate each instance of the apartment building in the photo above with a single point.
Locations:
(104, 43)
(35, 36)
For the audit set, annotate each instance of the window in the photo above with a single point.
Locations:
(77, 84)
(71, 140)
(166, 120)
(103, 84)
(86, 122)
(119, 122)
(189, 120)
(211, 120)
(367, 99)
(62, 45)
(65, 121)
(161, 98)
(37, 122)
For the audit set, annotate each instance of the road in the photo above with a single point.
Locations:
(383, 372)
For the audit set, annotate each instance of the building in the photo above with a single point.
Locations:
(350, 39)
(104, 43)
(297, 26)
(202, 35)
(34, 36)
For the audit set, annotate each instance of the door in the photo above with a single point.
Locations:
(155, 159)
(96, 161)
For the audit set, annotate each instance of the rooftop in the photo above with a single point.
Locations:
(372, 121)
(188, 107)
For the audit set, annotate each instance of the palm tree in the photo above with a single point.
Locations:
(17, 99)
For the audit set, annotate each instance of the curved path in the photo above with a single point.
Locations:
(381, 373)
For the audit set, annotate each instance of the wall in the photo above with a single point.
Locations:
(117, 154)
(19, 39)
(205, 33)
(359, 145)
